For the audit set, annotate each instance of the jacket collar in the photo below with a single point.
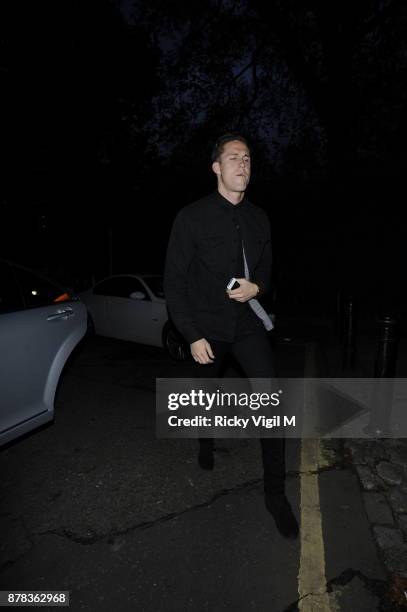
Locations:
(228, 205)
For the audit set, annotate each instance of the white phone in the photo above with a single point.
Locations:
(232, 284)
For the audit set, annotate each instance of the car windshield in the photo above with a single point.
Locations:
(156, 285)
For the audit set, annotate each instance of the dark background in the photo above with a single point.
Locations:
(110, 110)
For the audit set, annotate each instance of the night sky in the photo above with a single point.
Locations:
(110, 110)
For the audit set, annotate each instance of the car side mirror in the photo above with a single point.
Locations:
(138, 295)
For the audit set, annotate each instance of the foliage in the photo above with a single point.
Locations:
(299, 76)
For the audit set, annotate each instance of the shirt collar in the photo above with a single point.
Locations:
(228, 205)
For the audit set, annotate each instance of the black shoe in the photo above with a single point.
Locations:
(205, 458)
(280, 509)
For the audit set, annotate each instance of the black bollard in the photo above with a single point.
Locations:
(349, 333)
(386, 359)
(384, 372)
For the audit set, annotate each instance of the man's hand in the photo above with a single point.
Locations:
(201, 351)
(245, 292)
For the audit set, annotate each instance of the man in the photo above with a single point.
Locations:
(212, 240)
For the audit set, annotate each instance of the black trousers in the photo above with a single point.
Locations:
(253, 353)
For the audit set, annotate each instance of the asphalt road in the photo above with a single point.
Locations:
(96, 505)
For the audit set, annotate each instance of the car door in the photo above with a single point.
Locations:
(39, 327)
(129, 318)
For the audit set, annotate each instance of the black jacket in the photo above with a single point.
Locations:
(202, 256)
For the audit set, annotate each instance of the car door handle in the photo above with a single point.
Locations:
(61, 314)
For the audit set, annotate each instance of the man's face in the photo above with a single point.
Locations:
(233, 167)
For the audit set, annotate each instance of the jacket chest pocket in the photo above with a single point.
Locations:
(212, 247)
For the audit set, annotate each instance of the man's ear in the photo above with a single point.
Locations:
(216, 167)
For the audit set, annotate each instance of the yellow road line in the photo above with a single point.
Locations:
(311, 576)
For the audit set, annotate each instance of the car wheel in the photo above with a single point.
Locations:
(174, 343)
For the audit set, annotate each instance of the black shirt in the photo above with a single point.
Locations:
(204, 253)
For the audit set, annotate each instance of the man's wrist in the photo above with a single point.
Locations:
(257, 289)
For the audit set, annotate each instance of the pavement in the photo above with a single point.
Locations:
(96, 505)
(381, 466)
(380, 463)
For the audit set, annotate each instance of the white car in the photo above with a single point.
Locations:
(40, 325)
(132, 307)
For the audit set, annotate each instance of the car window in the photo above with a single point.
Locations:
(119, 286)
(156, 285)
(38, 291)
(10, 295)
